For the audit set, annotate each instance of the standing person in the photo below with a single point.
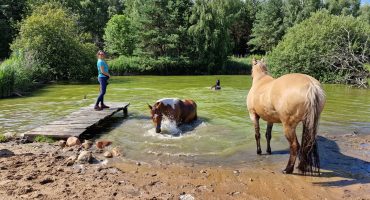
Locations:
(103, 80)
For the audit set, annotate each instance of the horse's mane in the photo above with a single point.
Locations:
(260, 67)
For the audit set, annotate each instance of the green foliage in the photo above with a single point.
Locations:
(364, 13)
(211, 21)
(11, 12)
(14, 77)
(120, 36)
(50, 44)
(296, 11)
(241, 27)
(44, 139)
(343, 7)
(161, 26)
(7, 80)
(175, 66)
(331, 48)
(268, 27)
(3, 138)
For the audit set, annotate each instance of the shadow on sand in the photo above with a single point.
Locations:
(353, 169)
(5, 153)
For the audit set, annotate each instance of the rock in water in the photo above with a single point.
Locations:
(108, 154)
(72, 141)
(103, 143)
(84, 157)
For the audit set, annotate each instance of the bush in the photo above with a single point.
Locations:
(330, 48)
(50, 44)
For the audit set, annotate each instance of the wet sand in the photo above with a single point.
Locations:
(38, 171)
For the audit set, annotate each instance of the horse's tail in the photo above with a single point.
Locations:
(309, 153)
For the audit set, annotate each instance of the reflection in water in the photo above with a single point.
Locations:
(224, 133)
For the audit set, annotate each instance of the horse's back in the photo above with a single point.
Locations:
(284, 97)
(189, 110)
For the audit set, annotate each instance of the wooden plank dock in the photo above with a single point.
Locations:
(78, 122)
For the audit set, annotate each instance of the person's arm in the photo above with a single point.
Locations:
(103, 72)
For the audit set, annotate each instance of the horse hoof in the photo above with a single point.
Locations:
(259, 152)
(287, 171)
(268, 152)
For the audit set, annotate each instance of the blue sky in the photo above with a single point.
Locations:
(365, 1)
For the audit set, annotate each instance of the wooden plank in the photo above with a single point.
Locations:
(78, 122)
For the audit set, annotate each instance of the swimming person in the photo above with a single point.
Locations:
(103, 80)
(217, 86)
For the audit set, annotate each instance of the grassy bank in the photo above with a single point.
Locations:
(177, 66)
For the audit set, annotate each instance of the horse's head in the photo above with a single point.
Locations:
(156, 115)
(258, 67)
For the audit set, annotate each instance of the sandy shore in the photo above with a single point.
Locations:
(39, 171)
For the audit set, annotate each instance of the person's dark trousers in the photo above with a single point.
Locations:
(103, 87)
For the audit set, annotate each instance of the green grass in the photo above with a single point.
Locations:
(44, 139)
(3, 138)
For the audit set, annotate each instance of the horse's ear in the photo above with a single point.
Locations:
(150, 107)
(254, 61)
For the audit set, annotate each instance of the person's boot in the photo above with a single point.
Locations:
(97, 108)
(104, 106)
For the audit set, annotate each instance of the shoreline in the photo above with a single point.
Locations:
(38, 170)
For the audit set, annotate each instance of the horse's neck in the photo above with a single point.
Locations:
(261, 79)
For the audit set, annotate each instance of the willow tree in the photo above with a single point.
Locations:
(161, 26)
(210, 30)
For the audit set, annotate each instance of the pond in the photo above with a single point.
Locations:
(222, 135)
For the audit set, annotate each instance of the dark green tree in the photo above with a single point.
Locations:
(296, 11)
(210, 30)
(50, 44)
(241, 27)
(343, 7)
(268, 28)
(120, 36)
(161, 25)
(11, 12)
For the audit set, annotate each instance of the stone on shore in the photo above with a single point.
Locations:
(62, 143)
(87, 144)
(71, 160)
(108, 154)
(72, 141)
(84, 157)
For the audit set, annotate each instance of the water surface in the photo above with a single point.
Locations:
(223, 134)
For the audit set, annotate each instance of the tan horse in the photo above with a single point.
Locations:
(290, 99)
(180, 111)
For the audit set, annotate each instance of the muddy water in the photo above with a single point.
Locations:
(222, 135)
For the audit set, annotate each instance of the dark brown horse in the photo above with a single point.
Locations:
(180, 111)
(290, 99)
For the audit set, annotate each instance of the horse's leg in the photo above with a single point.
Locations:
(291, 136)
(255, 118)
(268, 136)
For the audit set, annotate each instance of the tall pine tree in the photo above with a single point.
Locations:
(268, 27)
